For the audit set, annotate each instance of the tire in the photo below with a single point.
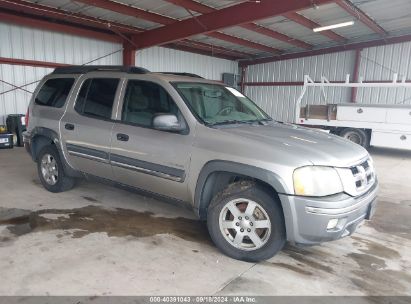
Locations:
(357, 136)
(242, 195)
(15, 139)
(52, 174)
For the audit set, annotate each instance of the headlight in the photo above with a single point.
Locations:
(316, 181)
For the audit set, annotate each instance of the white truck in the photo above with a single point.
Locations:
(380, 125)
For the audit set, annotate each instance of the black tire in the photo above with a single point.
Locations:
(358, 136)
(254, 192)
(20, 139)
(64, 182)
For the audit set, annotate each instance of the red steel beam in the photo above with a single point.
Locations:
(153, 17)
(243, 77)
(301, 83)
(51, 26)
(50, 12)
(178, 46)
(300, 19)
(215, 49)
(334, 49)
(356, 73)
(274, 84)
(204, 9)
(276, 35)
(129, 54)
(129, 11)
(193, 6)
(245, 12)
(243, 42)
(361, 16)
(33, 63)
(72, 29)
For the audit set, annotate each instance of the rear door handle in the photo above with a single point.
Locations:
(69, 126)
(122, 137)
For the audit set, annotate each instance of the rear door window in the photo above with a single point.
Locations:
(96, 97)
(54, 92)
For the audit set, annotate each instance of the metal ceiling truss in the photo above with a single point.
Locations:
(204, 9)
(361, 16)
(164, 20)
(176, 34)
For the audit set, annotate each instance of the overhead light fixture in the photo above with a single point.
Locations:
(333, 26)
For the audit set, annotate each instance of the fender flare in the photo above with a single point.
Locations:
(53, 136)
(43, 132)
(270, 178)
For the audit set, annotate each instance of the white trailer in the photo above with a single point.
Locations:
(366, 124)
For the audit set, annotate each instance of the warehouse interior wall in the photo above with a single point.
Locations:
(159, 59)
(21, 42)
(375, 64)
(34, 44)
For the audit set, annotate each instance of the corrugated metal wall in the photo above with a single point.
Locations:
(158, 59)
(280, 101)
(380, 63)
(377, 63)
(33, 44)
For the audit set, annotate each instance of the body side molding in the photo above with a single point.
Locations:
(177, 175)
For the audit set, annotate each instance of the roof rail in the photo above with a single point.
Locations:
(83, 69)
(182, 74)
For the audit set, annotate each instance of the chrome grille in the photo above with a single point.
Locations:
(364, 175)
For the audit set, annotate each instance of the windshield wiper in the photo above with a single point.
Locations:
(235, 121)
(231, 121)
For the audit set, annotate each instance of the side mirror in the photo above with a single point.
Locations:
(167, 122)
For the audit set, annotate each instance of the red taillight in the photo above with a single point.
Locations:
(26, 119)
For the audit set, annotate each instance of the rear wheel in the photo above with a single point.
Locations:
(357, 136)
(246, 223)
(50, 170)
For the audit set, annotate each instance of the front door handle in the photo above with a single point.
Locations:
(122, 137)
(69, 126)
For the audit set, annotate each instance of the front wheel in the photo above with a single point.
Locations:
(246, 222)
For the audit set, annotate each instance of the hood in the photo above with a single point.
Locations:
(317, 147)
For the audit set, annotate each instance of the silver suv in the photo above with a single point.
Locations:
(257, 182)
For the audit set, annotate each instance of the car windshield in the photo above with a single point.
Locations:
(217, 104)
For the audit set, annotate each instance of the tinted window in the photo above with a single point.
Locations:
(96, 97)
(145, 99)
(54, 92)
(82, 96)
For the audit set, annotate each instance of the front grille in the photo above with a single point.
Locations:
(364, 175)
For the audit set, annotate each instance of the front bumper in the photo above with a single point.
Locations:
(307, 218)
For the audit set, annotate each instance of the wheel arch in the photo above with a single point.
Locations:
(216, 175)
(41, 137)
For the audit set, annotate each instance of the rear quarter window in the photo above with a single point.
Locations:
(54, 92)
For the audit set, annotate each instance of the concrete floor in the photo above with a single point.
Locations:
(100, 240)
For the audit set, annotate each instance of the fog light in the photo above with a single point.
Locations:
(332, 224)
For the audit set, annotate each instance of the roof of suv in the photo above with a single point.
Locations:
(168, 76)
(83, 69)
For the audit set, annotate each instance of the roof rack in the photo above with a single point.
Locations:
(183, 74)
(83, 69)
